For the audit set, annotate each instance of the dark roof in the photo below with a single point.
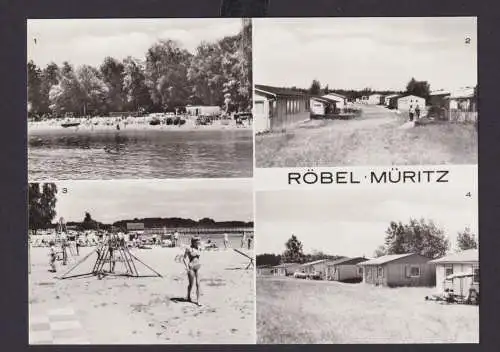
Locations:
(348, 261)
(279, 91)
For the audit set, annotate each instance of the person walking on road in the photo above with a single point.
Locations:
(417, 112)
(411, 112)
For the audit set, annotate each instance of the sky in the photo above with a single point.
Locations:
(109, 201)
(357, 53)
(353, 223)
(89, 41)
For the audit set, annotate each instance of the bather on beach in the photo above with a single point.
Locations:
(191, 260)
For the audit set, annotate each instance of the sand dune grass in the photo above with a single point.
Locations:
(303, 311)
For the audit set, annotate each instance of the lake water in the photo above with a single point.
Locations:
(122, 154)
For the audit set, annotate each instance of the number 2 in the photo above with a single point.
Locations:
(467, 40)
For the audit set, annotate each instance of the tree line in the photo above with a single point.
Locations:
(169, 78)
(413, 87)
(42, 199)
(417, 236)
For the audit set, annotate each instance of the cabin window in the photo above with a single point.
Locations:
(380, 271)
(259, 107)
(414, 271)
(448, 270)
(476, 275)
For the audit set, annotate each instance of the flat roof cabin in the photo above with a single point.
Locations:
(346, 269)
(458, 271)
(395, 270)
(278, 108)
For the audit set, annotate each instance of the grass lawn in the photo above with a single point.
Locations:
(373, 139)
(302, 311)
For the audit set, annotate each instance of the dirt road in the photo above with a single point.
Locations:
(378, 137)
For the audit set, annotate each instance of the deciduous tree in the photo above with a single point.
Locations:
(41, 205)
(419, 88)
(418, 236)
(466, 240)
(294, 251)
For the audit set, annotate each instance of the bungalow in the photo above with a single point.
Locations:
(439, 98)
(462, 100)
(202, 110)
(341, 101)
(277, 108)
(265, 270)
(410, 101)
(285, 269)
(458, 271)
(374, 99)
(322, 106)
(387, 99)
(318, 266)
(394, 270)
(392, 102)
(345, 269)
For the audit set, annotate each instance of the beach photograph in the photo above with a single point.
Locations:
(141, 262)
(367, 266)
(139, 98)
(365, 91)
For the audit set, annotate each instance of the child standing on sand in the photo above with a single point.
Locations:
(52, 256)
(226, 241)
(243, 240)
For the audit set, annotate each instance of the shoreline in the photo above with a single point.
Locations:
(51, 126)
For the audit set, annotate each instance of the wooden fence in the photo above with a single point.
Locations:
(462, 116)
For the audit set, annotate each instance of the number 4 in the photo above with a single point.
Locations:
(468, 195)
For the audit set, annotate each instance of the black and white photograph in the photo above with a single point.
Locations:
(139, 98)
(141, 262)
(367, 266)
(365, 91)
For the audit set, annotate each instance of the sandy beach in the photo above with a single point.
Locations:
(121, 310)
(129, 124)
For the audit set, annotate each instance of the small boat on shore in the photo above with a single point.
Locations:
(155, 122)
(70, 124)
